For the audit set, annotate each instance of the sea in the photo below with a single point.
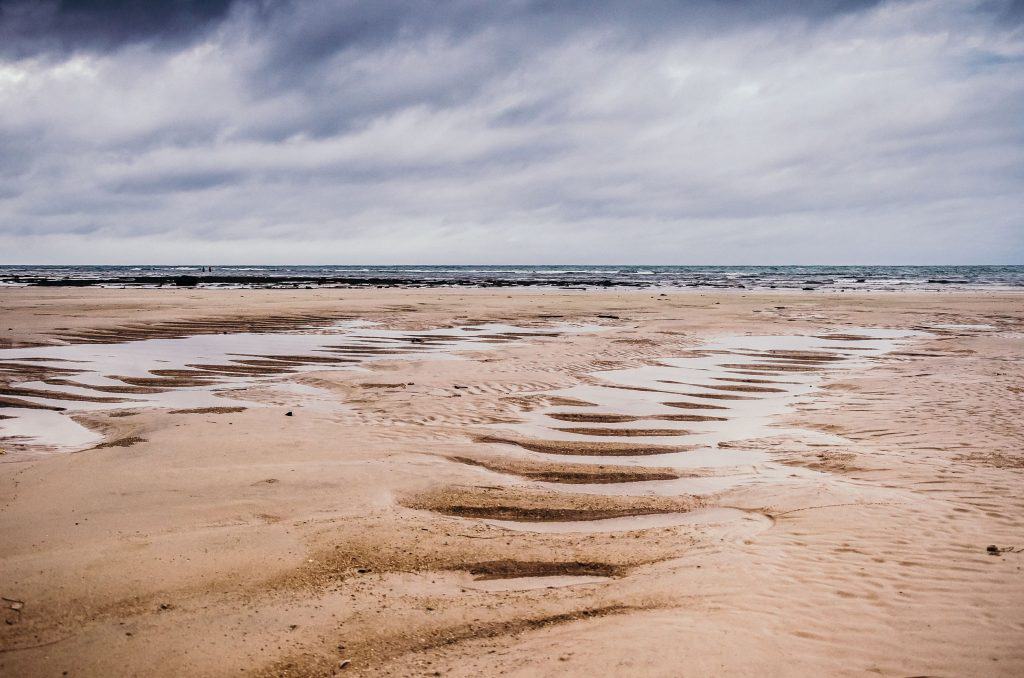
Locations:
(809, 278)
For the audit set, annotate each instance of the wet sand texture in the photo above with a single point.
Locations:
(515, 482)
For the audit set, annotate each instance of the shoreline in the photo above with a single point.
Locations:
(581, 285)
(677, 278)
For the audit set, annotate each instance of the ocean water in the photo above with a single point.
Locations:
(570, 276)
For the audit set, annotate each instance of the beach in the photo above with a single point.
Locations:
(457, 481)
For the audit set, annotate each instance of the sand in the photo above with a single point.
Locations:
(423, 515)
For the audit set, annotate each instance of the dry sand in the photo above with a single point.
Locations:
(365, 534)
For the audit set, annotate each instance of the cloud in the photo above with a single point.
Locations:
(336, 132)
(57, 27)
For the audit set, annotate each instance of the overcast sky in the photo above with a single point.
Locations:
(476, 131)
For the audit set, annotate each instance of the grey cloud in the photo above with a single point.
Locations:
(652, 131)
(329, 57)
(175, 182)
(57, 27)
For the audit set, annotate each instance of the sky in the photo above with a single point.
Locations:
(526, 131)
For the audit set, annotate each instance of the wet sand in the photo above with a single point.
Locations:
(518, 481)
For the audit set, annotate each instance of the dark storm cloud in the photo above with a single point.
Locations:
(40, 27)
(33, 27)
(471, 130)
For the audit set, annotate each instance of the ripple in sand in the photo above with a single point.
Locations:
(747, 406)
(533, 583)
(568, 473)
(584, 448)
(604, 418)
(626, 432)
(192, 372)
(522, 569)
(719, 516)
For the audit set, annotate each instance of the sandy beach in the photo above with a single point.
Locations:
(466, 482)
